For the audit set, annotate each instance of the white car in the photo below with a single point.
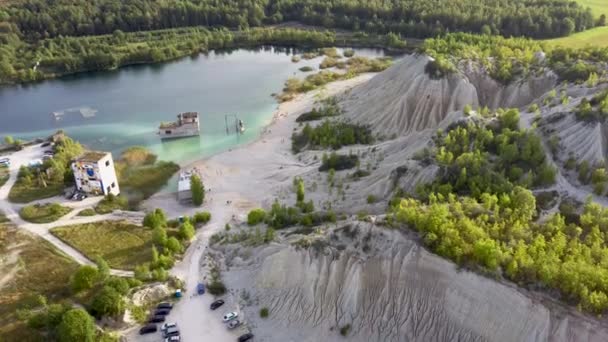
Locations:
(230, 316)
(166, 326)
(173, 339)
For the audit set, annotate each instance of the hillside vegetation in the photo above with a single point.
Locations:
(480, 212)
(506, 59)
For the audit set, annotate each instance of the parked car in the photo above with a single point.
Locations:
(49, 152)
(216, 304)
(79, 196)
(48, 143)
(167, 326)
(175, 338)
(156, 319)
(171, 332)
(245, 337)
(162, 312)
(230, 316)
(165, 305)
(5, 162)
(147, 329)
(234, 323)
(200, 288)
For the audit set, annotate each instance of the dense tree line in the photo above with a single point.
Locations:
(534, 18)
(22, 61)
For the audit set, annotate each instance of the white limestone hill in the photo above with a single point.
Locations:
(404, 99)
(387, 288)
(582, 140)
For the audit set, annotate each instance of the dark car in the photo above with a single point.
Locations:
(157, 319)
(48, 143)
(245, 337)
(200, 289)
(147, 329)
(162, 312)
(216, 304)
(165, 305)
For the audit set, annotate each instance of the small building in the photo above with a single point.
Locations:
(94, 173)
(184, 190)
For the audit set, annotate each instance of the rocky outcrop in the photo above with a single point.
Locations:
(404, 99)
(387, 288)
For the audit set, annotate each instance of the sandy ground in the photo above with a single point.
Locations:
(236, 181)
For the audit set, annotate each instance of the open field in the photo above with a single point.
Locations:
(597, 36)
(22, 193)
(45, 213)
(29, 266)
(598, 7)
(121, 244)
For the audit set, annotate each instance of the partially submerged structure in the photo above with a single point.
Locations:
(187, 125)
(94, 173)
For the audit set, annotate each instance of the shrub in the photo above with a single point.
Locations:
(264, 312)
(371, 199)
(110, 203)
(155, 219)
(344, 330)
(348, 53)
(84, 278)
(339, 162)
(306, 69)
(186, 231)
(256, 216)
(76, 326)
(108, 302)
(198, 190)
(202, 217)
(87, 212)
(216, 287)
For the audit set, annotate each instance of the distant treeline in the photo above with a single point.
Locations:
(38, 19)
(23, 61)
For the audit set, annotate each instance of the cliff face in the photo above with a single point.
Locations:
(404, 99)
(388, 288)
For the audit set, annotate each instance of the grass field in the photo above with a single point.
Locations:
(597, 36)
(122, 245)
(598, 7)
(45, 213)
(39, 268)
(22, 193)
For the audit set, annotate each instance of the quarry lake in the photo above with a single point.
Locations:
(123, 108)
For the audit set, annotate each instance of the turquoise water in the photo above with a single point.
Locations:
(132, 101)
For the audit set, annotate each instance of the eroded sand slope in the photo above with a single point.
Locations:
(387, 288)
(404, 99)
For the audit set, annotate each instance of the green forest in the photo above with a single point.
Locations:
(534, 18)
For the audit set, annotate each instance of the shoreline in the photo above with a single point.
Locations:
(266, 162)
